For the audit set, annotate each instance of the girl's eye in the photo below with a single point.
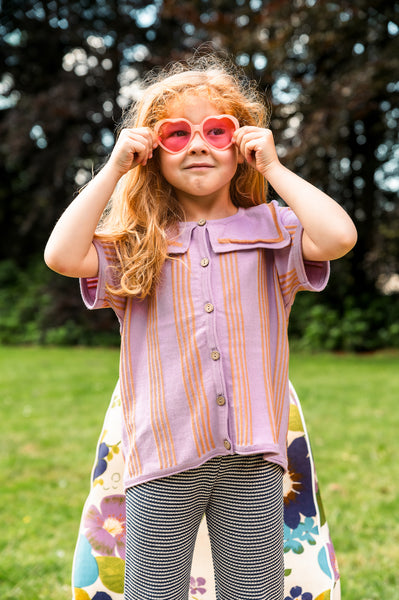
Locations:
(178, 133)
(215, 131)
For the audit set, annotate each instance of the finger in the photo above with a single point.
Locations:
(142, 144)
(130, 153)
(250, 149)
(249, 145)
(143, 135)
(240, 133)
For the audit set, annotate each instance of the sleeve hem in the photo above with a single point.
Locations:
(92, 289)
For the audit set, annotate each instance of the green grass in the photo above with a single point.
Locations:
(351, 409)
(53, 403)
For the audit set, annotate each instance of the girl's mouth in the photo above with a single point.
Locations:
(199, 166)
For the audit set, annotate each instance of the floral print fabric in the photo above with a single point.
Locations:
(311, 571)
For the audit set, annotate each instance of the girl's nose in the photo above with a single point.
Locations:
(198, 144)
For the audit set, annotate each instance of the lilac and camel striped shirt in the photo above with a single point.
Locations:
(204, 361)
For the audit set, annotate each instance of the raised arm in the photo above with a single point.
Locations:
(329, 232)
(70, 250)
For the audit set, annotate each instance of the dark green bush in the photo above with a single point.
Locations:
(40, 307)
(23, 300)
(358, 325)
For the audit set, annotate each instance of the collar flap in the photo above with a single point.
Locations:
(255, 227)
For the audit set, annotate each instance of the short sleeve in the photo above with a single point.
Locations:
(294, 273)
(96, 291)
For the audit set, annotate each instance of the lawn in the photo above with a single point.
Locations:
(53, 401)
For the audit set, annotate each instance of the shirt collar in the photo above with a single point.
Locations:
(255, 227)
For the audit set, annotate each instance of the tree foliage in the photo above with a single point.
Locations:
(330, 70)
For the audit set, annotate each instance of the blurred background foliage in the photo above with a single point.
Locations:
(331, 72)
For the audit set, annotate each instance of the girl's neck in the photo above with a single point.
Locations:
(208, 209)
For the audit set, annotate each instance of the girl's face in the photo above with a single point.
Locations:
(200, 174)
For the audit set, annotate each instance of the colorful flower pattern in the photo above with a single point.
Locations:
(196, 585)
(296, 593)
(105, 528)
(311, 571)
(298, 498)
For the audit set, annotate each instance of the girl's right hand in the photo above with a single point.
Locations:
(134, 147)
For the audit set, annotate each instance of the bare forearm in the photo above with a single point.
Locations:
(329, 233)
(70, 243)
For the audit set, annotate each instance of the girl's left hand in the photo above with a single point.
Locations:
(257, 146)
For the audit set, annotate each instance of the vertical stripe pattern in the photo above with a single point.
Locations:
(237, 347)
(190, 359)
(280, 374)
(264, 317)
(159, 418)
(129, 402)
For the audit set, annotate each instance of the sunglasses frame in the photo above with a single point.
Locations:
(193, 130)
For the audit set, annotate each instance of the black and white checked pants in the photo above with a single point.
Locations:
(242, 498)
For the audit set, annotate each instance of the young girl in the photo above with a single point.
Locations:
(201, 273)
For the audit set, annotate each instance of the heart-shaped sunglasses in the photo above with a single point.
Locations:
(175, 134)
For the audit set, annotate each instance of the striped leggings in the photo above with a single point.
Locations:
(242, 498)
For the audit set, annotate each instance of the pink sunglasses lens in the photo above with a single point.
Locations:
(218, 132)
(174, 136)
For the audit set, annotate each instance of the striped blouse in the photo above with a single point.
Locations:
(204, 361)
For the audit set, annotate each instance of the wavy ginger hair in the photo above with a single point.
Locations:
(144, 212)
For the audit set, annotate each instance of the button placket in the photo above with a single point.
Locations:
(208, 265)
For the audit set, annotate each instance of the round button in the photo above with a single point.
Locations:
(215, 355)
(204, 262)
(221, 400)
(202, 222)
(227, 444)
(209, 307)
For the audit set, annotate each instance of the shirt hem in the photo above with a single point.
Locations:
(269, 453)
